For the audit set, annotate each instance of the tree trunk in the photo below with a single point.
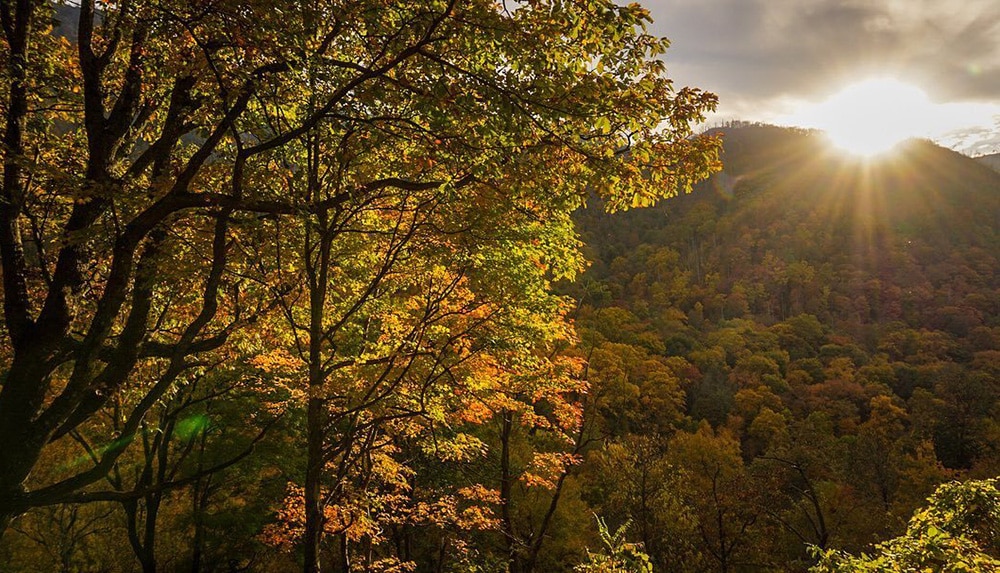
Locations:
(148, 562)
(313, 492)
(345, 554)
(196, 549)
(148, 557)
(199, 496)
(514, 564)
(21, 442)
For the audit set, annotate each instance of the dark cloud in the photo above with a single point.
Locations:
(753, 51)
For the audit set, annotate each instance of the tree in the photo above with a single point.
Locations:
(162, 138)
(634, 482)
(958, 531)
(173, 443)
(721, 494)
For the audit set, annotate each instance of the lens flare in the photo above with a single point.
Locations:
(871, 117)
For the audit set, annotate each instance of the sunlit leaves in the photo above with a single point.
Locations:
(355, 206)
(957, 532)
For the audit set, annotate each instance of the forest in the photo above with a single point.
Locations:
(798, 353)
(458, 286)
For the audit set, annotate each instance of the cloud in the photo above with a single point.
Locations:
(756, 50)
(767, 59)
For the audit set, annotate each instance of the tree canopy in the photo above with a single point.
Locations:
(352, 210)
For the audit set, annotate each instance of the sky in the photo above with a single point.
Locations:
(779, 60)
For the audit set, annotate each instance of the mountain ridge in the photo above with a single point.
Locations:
(793, 183)
(891, 262)
(992, 161)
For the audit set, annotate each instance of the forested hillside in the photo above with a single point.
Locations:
(796, 353)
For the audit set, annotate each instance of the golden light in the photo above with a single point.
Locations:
(871, 117)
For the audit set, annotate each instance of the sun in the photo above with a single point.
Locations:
(871, 117)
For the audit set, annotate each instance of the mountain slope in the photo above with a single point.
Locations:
(991, 161)
(825, 265)
(798, 228)
(814, 336)
(829, 327)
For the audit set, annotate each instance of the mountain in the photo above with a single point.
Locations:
(922, 223)
(802, 287)
(992, 161)
(835, 317)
